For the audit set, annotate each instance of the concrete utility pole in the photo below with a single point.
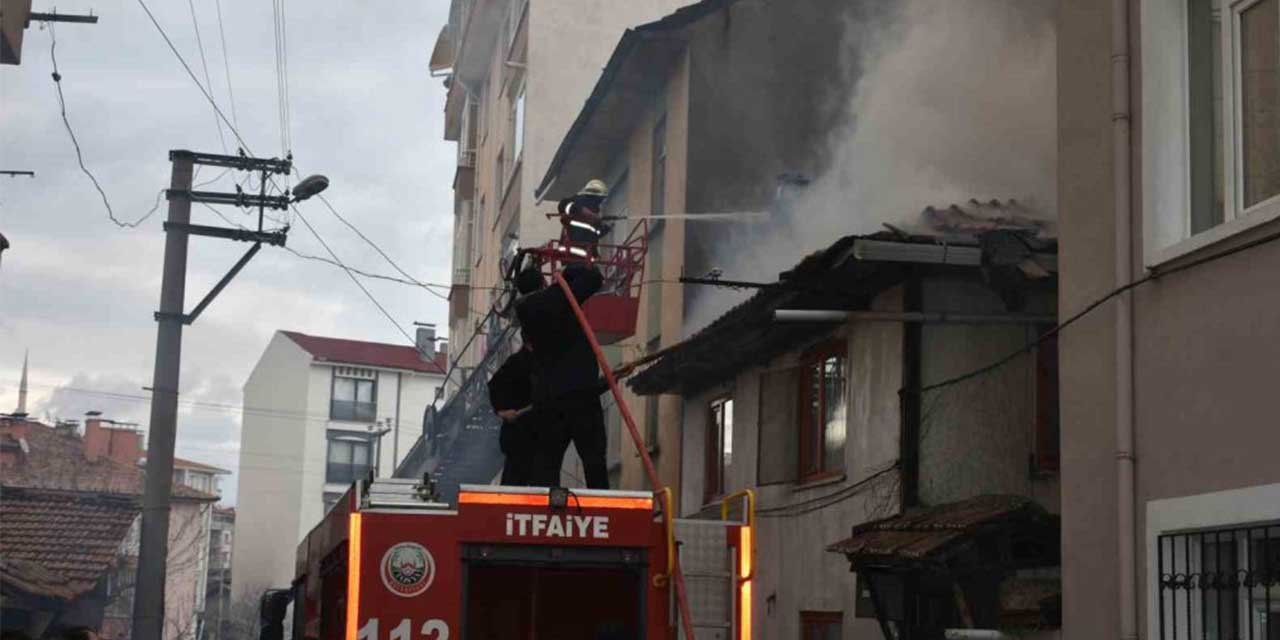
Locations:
(148, 602)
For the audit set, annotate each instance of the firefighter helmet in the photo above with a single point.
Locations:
(596, 187)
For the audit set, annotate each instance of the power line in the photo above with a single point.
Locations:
(226, 64)
(427, 286)
(187, 67)
(353, 277)
(62, 107)
(195, 22)
(369, 242)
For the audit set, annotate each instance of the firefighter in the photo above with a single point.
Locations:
(581, 218)
(511, 395)
(565, 380)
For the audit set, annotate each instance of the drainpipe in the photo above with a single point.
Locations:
(1123, 183)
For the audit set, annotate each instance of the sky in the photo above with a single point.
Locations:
(79, 292)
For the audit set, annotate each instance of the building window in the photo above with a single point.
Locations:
(822, 411)
(1047, 417)
(1219, 584)
(651, 404)
(719, 446)
(198, 481)
(820, 625)
(517, 125)
(1212, 146)
(355, 395)
(350, 458)
(658, 195)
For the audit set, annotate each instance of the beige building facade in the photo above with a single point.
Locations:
(1170, 169)
(517, 72)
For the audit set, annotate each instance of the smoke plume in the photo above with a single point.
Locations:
(957, 100)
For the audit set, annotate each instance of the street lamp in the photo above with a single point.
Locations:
(310, 186)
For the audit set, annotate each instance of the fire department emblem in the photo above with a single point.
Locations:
(408, 569)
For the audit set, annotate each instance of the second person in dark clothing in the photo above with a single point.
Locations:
(511, 395)
(566, 380)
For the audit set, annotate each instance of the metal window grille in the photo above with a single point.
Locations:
(1220, 584)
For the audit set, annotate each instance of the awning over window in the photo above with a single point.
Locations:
(1011, 531)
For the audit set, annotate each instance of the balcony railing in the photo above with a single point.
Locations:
(339, 473)
(353, 411)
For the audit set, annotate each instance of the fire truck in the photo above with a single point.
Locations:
(391, 562)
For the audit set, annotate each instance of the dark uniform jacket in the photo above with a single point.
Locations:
(511, 387)
(565, 365)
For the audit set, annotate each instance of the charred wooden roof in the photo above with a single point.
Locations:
(847, 275)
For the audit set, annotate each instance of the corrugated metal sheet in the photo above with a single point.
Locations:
(931, 532)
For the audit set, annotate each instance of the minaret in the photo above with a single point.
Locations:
(22, 387)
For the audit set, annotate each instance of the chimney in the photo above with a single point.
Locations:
(96, 444)
(426, 341)
(105, 439)
(22, 389)
(442, 347)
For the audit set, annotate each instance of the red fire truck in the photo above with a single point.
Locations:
(388, 563)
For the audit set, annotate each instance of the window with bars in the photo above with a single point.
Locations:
(823, 398)
(1219, 584)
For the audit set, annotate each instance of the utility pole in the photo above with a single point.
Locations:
(148, 600)
(148, 603)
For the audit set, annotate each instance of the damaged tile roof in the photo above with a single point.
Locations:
(847, 275)
(57, 461)
(374, 354)
(932, 533)
(60, 543)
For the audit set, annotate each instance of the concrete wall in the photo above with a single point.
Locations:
(1205, 344)
(978, 437)
(794, 571)
(271, 465)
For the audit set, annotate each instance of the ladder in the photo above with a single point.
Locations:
(698, 546)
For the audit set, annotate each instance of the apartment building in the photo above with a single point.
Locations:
(319, 413)
(664, 127)
(1169, 172)
(517, 71)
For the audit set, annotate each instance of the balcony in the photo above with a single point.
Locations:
(353, 411)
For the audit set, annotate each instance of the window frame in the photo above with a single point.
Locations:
(352, 439)
(1048, 426)
(333, 388)
(714, 479)
(808, 361)
(1166, 134)
(820, 621)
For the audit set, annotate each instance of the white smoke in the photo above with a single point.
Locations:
(958, 101)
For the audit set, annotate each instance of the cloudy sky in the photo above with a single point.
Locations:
(79, 292)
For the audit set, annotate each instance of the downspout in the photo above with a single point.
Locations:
(1123, 184)
(395, 435)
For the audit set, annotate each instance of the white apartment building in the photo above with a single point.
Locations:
(318, 414)
(518, 73)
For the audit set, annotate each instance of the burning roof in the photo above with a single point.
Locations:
(848, 275)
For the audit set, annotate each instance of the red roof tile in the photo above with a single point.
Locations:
(374, 354)
(930, 532)
(60, 543)
(55, 461)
